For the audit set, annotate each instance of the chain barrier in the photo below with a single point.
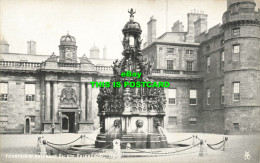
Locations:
(216, 143)
(60, 150)
(90, 138)
(183, 149)
(71, 153)
(183, 140)
(213, 148)
(138, 149)
(154, 153)
(106, 147)
(167, 153)
(65, 143)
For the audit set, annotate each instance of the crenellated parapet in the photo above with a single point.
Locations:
(241, 12)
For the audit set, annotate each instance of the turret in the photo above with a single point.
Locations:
(4, 46)
(68, 49)
(241, 28)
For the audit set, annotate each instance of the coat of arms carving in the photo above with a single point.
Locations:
(68, 96)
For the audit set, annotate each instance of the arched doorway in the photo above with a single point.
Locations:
(68, 122)
(27, 125)
(65, 123)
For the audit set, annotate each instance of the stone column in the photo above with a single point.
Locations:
(48, 101)
(89, 102)
(149, 124)
(126, 125)
(55, 102)
(83, 102)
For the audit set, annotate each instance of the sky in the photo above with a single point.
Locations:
(92, 22)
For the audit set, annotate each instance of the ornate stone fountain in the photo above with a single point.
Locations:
(133, 115)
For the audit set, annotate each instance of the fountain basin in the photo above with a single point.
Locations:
(136, 140)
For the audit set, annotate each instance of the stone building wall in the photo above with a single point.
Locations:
(16, 108)
(182, 110)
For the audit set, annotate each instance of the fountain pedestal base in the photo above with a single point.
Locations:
(136, 140)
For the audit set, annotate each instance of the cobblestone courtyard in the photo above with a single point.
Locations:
(239, 147)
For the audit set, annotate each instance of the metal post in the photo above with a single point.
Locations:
(202, 150)
(225, 145)
(116, 149)
(43, 151)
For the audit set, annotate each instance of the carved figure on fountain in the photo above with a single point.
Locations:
(117, 123)
(139, 126)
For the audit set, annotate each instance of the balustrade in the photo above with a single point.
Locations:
(19, 64)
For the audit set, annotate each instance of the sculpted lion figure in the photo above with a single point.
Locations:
(117, 123)
(139, 123)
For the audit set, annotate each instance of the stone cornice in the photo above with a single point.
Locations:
(240, 22)
(228, 71)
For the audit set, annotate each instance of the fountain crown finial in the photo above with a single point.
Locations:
(131, 12)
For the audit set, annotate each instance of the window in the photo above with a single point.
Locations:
(160, 49)
(207, 48)
(170, 50)
(208, 96)
(236, 91)
(208, 64)
(235, 48)
(236, 31)
(172, 96)
(222, 94)
(236, 126)
(193, 121)
(170, 64)
(222, 64)
(189, 65)
(32, 118)
(3, 91)
(189, 52)
(222, 42)
(172, 120)
(193, 97)
(29, 92)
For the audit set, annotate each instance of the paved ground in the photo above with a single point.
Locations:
(26, 146)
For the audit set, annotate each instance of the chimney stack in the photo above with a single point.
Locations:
(105, 52)
(31, 47)
(151, 32)
(192, 18)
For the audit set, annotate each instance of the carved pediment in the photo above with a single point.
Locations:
(52, 58)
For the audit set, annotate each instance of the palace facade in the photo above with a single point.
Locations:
(214, 76)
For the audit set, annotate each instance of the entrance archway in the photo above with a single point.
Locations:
(27, 125)
(65, 123)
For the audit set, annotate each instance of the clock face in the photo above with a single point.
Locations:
(69, 55)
